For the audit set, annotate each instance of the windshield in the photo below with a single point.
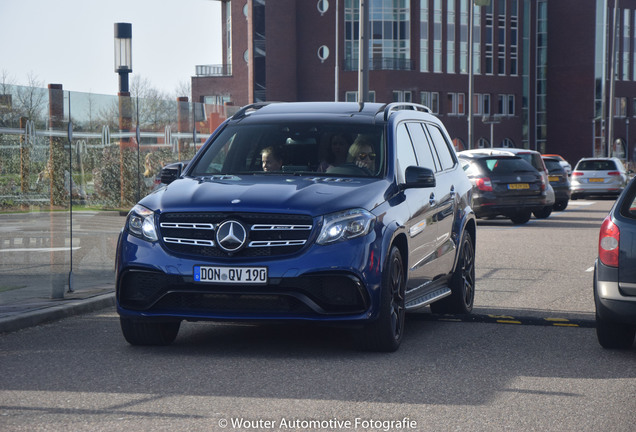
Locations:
(295, 148)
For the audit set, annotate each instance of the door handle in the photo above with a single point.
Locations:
(431, 199)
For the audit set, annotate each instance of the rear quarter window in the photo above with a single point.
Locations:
(442, 147)
(629, 206)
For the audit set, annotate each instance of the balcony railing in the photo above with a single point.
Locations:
(214, 70)
(384, 63)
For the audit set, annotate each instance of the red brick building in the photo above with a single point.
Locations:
(541, 67)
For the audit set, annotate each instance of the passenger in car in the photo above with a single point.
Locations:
(337, 151)
(271, 159)
(361, 153)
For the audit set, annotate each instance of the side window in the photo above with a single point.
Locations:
(404, 152)
(442, 147)
(422, 145)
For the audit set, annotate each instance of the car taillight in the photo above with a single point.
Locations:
(542, 184)
(576, 173)
(484, 184)
(613, 173)
(608, 242)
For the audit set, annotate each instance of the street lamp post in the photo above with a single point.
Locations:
(123, 67)
(471, 72)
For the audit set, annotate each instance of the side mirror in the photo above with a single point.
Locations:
(171, 172)
(419, 177)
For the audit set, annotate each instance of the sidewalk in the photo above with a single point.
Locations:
(30, 306)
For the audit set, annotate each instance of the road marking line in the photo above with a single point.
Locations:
(591, 269)
(579, 203)
(58, 249)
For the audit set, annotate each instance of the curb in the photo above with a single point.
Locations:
(57, 312)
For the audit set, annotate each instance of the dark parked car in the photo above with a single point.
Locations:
(615, 274)
(560, 182)
(260, 226)
(503, 185)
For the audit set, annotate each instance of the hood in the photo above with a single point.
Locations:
(264, 193)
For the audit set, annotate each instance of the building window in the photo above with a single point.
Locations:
(507, 143)
(501, 39)
(402, 96)
(511, 105)
(541, 41)
(514, 37)
(620, 107)
(501, 104)
(481, 104)
(476, 39)
(431, 100)
(424, 28)
(455, 103)
(389, 35)
(626, 43)
(450, 37)
(490, 31)
(486, 104)
(437, 35)
(352, 96)
(463, 37)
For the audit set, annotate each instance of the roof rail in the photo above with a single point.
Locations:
(397, 106)
(248, 109)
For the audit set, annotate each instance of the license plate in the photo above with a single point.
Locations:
(553, 178)
(518, 186)
(231, 275)
(596, 180)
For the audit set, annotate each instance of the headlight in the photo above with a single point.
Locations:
(345, 225)
(141, 223)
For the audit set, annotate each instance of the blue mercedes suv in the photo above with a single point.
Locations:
(344, 213)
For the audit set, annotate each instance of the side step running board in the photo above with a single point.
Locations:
(428, 298)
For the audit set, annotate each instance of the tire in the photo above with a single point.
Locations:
(613, 335)
(386, 332)
(146, 332)
(560, 205)
(520, 217)
(544, 213)
(462, 283)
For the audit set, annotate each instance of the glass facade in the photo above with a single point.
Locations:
(389, 34)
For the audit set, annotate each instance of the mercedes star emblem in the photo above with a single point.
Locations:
(231, 236)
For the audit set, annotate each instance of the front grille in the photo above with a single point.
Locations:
(267, 234)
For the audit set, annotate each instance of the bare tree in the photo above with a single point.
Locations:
(184, 88)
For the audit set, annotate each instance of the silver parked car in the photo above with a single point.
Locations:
(598, 176)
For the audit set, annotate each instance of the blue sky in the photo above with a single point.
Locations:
(70, 42)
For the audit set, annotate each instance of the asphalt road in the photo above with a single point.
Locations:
(527, 359)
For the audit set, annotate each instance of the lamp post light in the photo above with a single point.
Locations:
(123, 53)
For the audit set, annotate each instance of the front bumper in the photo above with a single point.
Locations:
(323, 283)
